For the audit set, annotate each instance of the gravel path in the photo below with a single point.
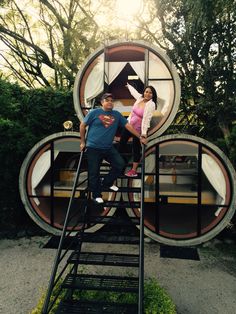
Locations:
(196, 287)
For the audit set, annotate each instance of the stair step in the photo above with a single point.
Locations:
(119, 237)
(109, 237)
(104, 283)
(112, 220)
(70, 243)
(124, 204)
(123, 176)
(105, 171)
(111, 259)
(93, 307)
(124, 189)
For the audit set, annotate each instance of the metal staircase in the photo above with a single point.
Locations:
(74, 280)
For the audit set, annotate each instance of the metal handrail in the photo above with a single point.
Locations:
(141, 237)
(59, 250)
(53, 279)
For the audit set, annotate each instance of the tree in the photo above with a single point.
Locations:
(199, 37)
(48, 40)
(48, 50)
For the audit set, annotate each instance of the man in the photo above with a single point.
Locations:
(103, 124)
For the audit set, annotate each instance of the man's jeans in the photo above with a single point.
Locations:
(95, 157)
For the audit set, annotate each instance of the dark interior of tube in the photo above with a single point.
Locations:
(51, 174)
(187, 190)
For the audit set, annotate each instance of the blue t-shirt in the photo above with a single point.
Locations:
(102, 127)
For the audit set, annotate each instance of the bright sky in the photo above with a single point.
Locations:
(128, 8)
(124, 13)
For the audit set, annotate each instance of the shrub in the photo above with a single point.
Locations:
(26, 117)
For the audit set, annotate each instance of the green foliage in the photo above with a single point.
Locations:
(46, 110)
(156, 299)
(26, 116)
(200, 39)
(38, 309)
(227, 145)
(106, 296)
(232, 141)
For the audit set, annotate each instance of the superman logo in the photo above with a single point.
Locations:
(107, 120)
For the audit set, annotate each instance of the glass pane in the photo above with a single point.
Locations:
(65, 160)
(157, 68)
(165, 103)
(165, 95)
(93, 82)
(216, 183)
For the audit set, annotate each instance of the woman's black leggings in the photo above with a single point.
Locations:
(125, 136)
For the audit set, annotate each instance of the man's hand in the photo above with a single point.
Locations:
(82, 129)
(82, 145)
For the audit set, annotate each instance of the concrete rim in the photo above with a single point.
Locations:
(231, 210)
(157, 51)
(23, 178)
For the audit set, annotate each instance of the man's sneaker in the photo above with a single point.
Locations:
(98, 200)
(131, 173)
(114, 188)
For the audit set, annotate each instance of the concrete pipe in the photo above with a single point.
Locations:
(110, 67)
(189, 190)
(46, 179)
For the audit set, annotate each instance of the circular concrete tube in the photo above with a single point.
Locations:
(46, 179)
(196, 184)
(140, 63)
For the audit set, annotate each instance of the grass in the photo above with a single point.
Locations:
(156, 299)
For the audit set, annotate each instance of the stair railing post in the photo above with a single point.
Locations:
(58, 254)
(141, 237)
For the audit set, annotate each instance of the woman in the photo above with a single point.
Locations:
(139, 118)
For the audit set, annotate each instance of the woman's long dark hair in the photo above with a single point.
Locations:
(154, 94)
